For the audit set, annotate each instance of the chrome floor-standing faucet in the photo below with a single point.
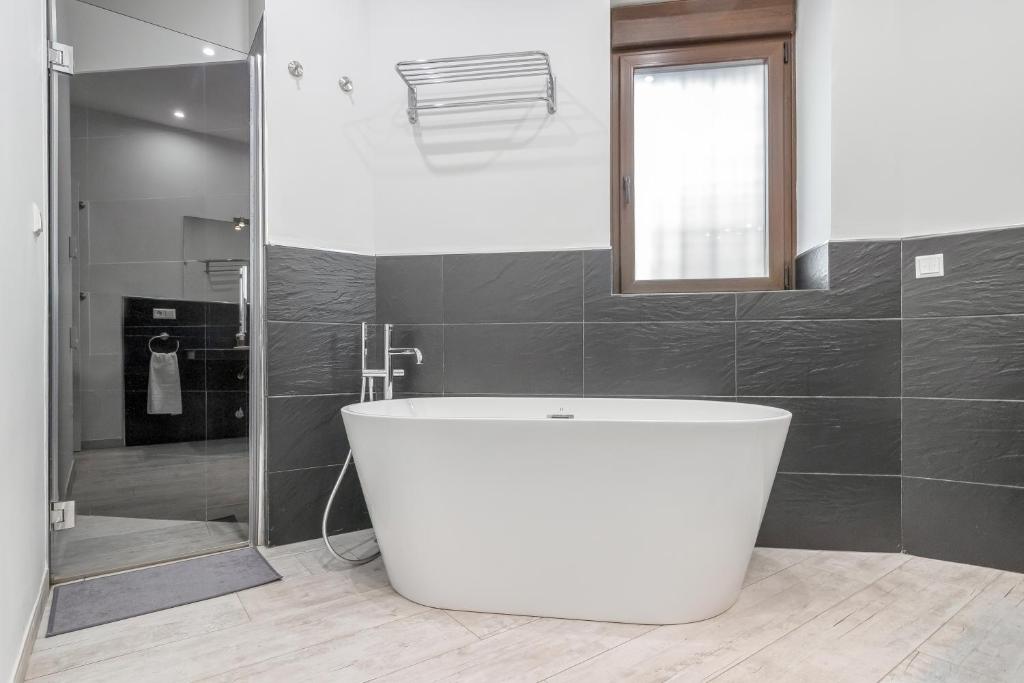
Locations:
(369, 376)
(387, 373)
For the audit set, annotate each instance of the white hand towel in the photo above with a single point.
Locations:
(164, 385)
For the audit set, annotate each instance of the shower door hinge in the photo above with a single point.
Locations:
(785, 52)
(61, 57)
(62, 514)
(786, 279)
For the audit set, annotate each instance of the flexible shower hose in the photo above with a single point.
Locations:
(365, 394)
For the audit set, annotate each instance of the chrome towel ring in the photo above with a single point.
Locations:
(163, 336)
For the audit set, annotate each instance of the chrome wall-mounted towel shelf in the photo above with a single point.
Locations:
(224, 265)
(502, 67)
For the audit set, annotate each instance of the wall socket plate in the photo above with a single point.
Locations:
(929, 265)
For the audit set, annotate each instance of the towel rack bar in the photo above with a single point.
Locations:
(529, 54)
(420, 68)
(501, 66)
(428, 106)
(429, 80)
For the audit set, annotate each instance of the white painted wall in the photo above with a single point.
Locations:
(23, 181)
(813, 123)
(908, 123)
(491, 181)
(318, 173)
(927, 112)
(350, 173)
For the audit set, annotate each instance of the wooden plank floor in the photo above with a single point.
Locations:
(802, 616)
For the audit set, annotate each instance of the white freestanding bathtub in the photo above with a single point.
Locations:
(630, 510)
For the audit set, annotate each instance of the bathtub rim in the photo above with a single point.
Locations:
(368, 410)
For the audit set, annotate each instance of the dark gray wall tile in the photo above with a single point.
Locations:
(543, 286)
(660, 358)
(972, 441)
(833, 512)
(142, 428)
(514, 359)
(863, 281)
(311, 285)
(311, 358)
(984, 274)
(818, 358)
(409, 289)
(812, 268)
(840, 435)
(971, 523)
(296, 501)
(227, 415)
(602, 306)
(964, 357)
(427, 378)
(306, 431)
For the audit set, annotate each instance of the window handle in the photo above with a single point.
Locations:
(627, 189)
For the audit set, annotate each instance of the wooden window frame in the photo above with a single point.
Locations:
(776, 52)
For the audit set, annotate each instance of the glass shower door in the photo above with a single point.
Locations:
(152, 244)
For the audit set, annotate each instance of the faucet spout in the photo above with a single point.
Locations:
(409, 351)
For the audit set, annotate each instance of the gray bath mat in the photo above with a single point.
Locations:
(111, 598)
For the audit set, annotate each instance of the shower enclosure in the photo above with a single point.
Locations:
(156, 260)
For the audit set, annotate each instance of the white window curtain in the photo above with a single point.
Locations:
(700, 192)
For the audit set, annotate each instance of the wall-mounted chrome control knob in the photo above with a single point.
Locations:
(295, 68)
(345, 83)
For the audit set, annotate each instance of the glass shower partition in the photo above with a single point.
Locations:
(152, 240)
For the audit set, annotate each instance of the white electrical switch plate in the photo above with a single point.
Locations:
(929, 266)
(165, 314)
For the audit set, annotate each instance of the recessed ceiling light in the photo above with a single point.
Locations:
(209, 51)
(179, 114)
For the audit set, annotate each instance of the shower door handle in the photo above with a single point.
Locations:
(241, 338)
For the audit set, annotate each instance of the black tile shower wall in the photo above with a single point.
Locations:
(660, 359)
(316, 301)
(213, 375)
(548, 323)
(907, 394)
(963, 406)
(831, 356)
(833, 513)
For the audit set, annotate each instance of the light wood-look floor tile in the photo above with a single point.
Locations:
(802, 616)
(864, 636)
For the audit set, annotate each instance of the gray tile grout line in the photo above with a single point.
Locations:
(903, 545)
(968, 483)
(736, 347)
(444, 344)
(306, 469)
(583, 320)
(841, 474)
(333, 395)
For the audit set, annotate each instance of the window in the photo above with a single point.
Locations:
(703, 165)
